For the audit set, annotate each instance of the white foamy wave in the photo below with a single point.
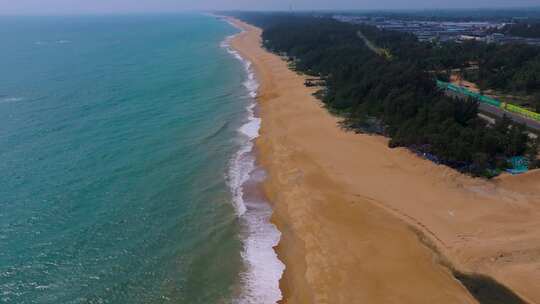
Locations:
(251, 129)
(243, 162)
(260, 281)
(10, 99)
(61, 41)
(242, 165)
(251, 84)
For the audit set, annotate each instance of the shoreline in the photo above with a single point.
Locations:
(263, 269)
(345, 203)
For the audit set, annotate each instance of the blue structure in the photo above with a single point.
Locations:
(519, 164)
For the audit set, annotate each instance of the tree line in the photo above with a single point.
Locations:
(396, 94)
(509, 68)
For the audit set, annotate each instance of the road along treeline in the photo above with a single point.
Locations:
(393, 92)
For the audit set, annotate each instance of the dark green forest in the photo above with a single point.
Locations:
(395, 95)
(508, 68)
(511, 68)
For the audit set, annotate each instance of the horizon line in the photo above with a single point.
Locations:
(169, 12)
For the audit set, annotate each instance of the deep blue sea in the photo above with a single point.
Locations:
(125, 150)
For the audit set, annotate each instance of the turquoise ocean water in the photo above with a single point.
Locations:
(125, 148)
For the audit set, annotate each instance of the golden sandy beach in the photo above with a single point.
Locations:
(346, 205)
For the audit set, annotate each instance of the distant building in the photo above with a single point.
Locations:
(441, 31)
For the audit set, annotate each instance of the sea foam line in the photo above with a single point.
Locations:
(4, 99)
(263, 268)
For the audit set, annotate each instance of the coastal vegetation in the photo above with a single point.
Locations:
(508, 68)
(399, 95)
(513, 68)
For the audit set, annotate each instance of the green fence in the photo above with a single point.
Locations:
(488, 100)
(521, 111)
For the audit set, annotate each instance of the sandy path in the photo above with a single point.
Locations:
(343, 202)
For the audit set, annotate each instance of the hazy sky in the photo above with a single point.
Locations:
(119, 6)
